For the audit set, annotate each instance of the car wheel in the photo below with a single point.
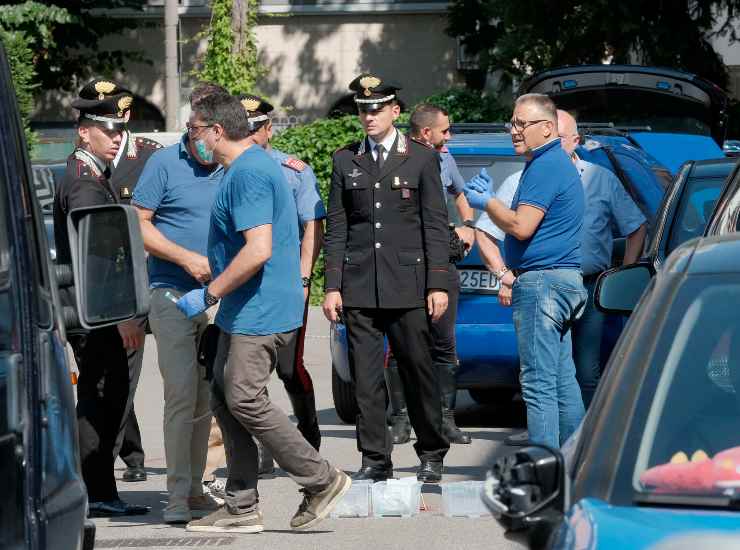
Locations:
(492, 396)
(345, 401)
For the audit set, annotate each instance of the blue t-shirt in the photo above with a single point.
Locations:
(551, 183)
(254, 193)
(180, 191)
(452, 180)
(303, 185)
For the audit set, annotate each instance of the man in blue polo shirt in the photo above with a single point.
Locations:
(173, 197)
(253, 252)
(542, 248)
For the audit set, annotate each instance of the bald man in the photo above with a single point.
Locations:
(608, 210)
(543, 253)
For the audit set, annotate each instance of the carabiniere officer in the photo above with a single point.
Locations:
(387, 252)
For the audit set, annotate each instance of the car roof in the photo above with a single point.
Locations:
(481, 143)
(713, 168)
(713, 255)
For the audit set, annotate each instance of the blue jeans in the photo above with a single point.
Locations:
(587, 334)
(545, 304)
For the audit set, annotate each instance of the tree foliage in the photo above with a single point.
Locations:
(26, 29)
(74, 54)
(532, 35)
(231, 58)
(465, 105)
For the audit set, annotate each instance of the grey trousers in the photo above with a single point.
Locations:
(243, 408)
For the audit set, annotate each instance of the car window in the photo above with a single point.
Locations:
(499, 168)
(694, 209)
(691, 434)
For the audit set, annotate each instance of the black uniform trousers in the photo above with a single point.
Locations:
(102, 395)
(129, 445)
(444, 350)
(409, 336)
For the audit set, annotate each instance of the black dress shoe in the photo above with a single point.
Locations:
(517, 440)
(134, 473)
(374, 473)
(115, 508)
(429, 472)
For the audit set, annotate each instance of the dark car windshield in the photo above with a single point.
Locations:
(690, 441)
(694, 209)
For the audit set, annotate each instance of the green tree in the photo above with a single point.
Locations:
(25, 30)
(532, 35)
(74, 54)
(231, 58)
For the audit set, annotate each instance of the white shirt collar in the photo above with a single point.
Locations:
(387, 143)
(121, 149)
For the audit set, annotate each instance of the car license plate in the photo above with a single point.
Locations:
(479, 281)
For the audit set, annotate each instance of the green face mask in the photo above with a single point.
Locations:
(203, 151)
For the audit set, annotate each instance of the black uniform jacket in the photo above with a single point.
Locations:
(85, 183)
(137, 151)
(387, 240)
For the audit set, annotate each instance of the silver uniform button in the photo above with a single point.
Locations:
(378, 225)
(377, 185)
(354, 184)
(377, 205)
(377, 245)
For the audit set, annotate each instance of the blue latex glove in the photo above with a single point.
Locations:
(479, 190)
(193, 303)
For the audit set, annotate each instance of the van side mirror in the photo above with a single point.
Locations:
(109, 265)
(618, 290)
(528, 490)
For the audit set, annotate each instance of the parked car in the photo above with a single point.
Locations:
(43, 504)
(726, 215)
(658, 454)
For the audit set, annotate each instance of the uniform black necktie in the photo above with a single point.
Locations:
(379, 160)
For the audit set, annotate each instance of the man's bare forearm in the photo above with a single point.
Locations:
(463, 208)
(520, 223)
(313, 239)
(633, 245)
(489, 251)
(255, 253)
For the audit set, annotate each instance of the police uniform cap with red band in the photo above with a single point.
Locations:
(372, 92)
(257, 110)
(104, 103)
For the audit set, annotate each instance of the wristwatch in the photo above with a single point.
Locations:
(210, 299)
(306, 281)
(469, 223)
(501, 272)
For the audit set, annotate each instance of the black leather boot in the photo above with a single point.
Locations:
(400, 423)
(304, 409)
(448, 388)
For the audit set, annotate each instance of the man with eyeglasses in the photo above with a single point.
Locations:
(174, 197)
(543, 250)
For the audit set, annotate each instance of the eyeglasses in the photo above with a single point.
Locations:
(521, 125)
(195, 127)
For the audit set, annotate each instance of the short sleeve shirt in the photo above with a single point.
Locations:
(505, 194)
(181, 192)
(551, 183)
(609, 210)
(452, 180)
(304, 187)
(254, 193)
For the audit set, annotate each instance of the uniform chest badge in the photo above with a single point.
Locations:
(354, 173)
(396, 181)
(125, 193)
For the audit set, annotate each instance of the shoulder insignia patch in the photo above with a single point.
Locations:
(402, 145)
(295, 164)
(592, 145)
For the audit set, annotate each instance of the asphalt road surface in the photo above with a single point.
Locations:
(429, 530)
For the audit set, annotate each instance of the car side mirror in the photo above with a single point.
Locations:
(618, 290)
(109, 265)
(528, 490)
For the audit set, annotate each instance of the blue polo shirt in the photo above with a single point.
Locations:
(551, 183)
(180, 191)
(254, 193)
(302, 183)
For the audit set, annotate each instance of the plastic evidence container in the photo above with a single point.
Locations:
(356, 503)
(396, 497)
(463, 499)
